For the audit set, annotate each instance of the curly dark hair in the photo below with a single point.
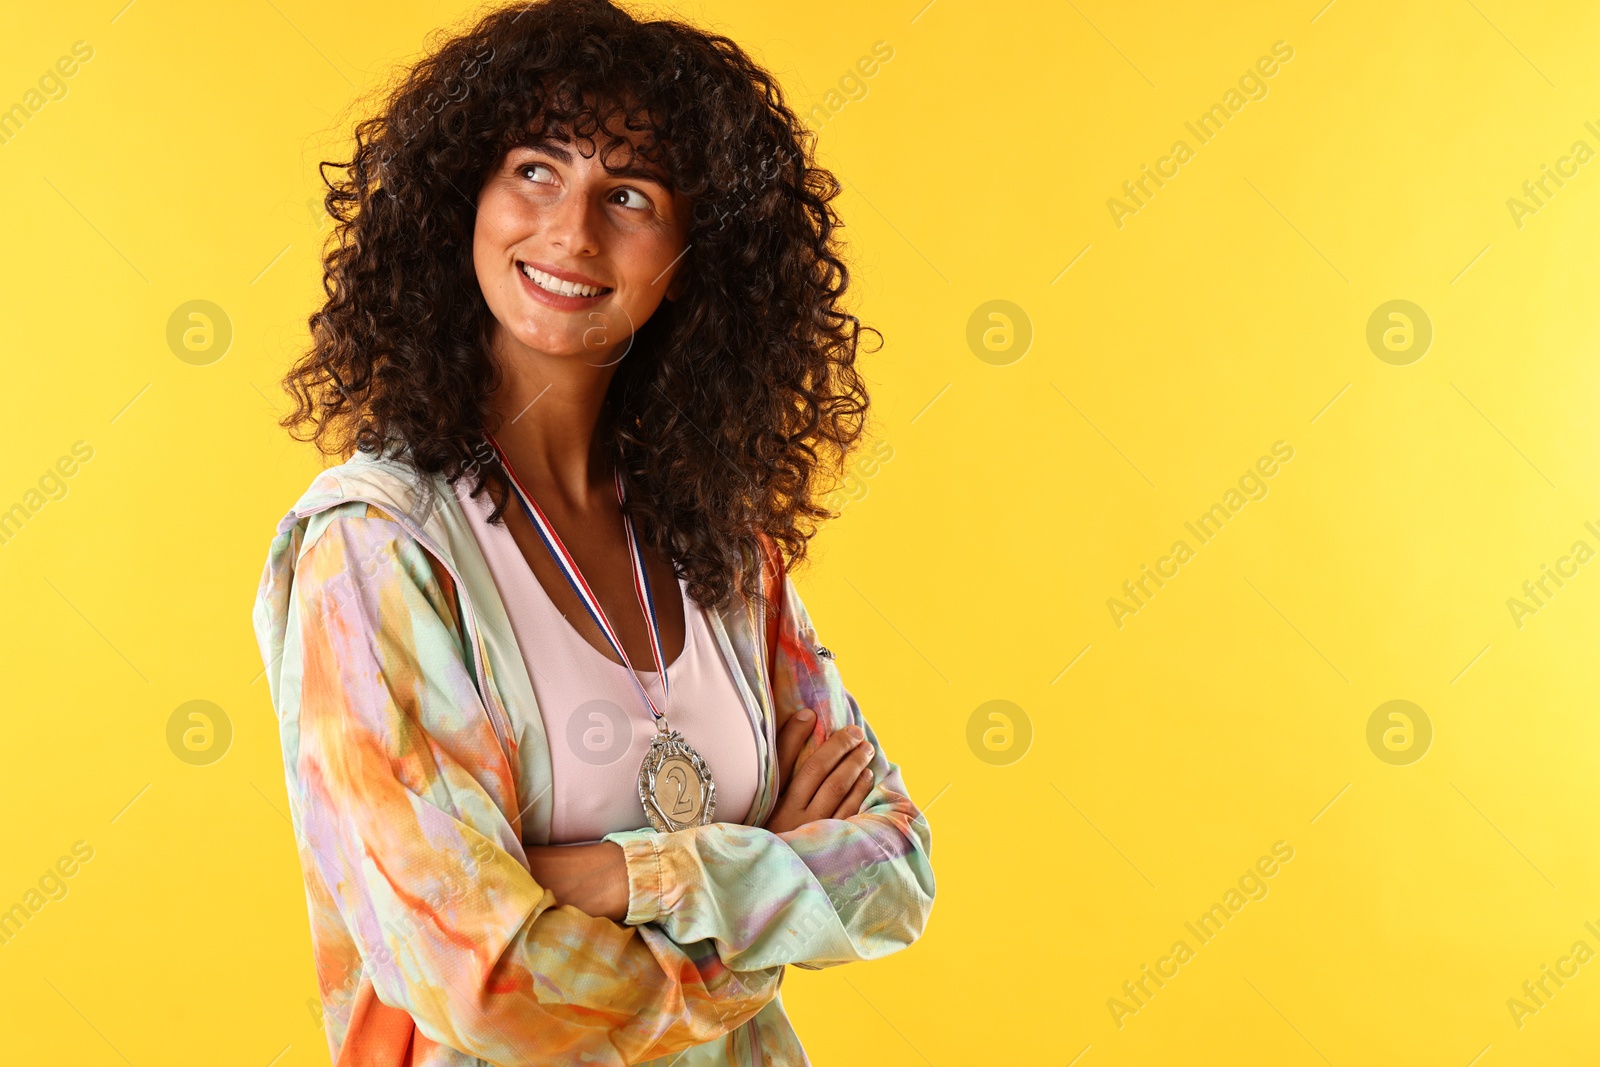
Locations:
(735, 404)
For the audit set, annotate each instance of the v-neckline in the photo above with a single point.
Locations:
(532, 579)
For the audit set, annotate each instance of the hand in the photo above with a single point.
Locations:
(592, 878)
(832, 782)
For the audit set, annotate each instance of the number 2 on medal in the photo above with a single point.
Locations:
(682, 806)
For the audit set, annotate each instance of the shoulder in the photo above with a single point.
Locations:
(360, 520)
(392, 483)
(349, 548)
(362, 566)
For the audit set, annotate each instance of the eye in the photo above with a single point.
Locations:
(526, 167)
(639, 200)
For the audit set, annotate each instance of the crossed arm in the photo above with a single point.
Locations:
(830, 784)
(812, 888)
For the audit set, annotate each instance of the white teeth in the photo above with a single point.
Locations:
(550, 283)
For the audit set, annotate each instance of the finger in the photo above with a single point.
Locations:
(852, 802)
(840, 782)
(791, 739)
(821, 762)
(816, 766)
(789, 814)
(831, 793)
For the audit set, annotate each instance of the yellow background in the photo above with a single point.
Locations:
(1230, 713)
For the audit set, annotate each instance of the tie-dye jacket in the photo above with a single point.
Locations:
(417, 769)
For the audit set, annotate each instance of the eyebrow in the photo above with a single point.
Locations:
(633, 169)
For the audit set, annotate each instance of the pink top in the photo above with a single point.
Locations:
(595, 719)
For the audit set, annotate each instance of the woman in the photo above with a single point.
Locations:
(584, 360)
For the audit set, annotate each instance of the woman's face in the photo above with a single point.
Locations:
(573, 259)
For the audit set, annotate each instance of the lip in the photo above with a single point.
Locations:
(557, 300)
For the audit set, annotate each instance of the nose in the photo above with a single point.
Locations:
(570, 224)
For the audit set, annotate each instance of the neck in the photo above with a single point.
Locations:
(548, 416)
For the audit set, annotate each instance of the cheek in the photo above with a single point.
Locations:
(484, 252)
(647, 261)
(489, 233)
(502, 219)
(497, 228)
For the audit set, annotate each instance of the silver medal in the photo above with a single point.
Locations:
(675, 784)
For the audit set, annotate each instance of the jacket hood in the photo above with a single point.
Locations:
(390, 482)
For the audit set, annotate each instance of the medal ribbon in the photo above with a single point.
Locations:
(569, 569)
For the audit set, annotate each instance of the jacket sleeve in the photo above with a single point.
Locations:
(825, 893)
(394, 771)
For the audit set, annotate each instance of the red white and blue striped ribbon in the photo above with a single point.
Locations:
(574, 576)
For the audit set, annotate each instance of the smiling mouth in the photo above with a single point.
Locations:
(551, 284)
